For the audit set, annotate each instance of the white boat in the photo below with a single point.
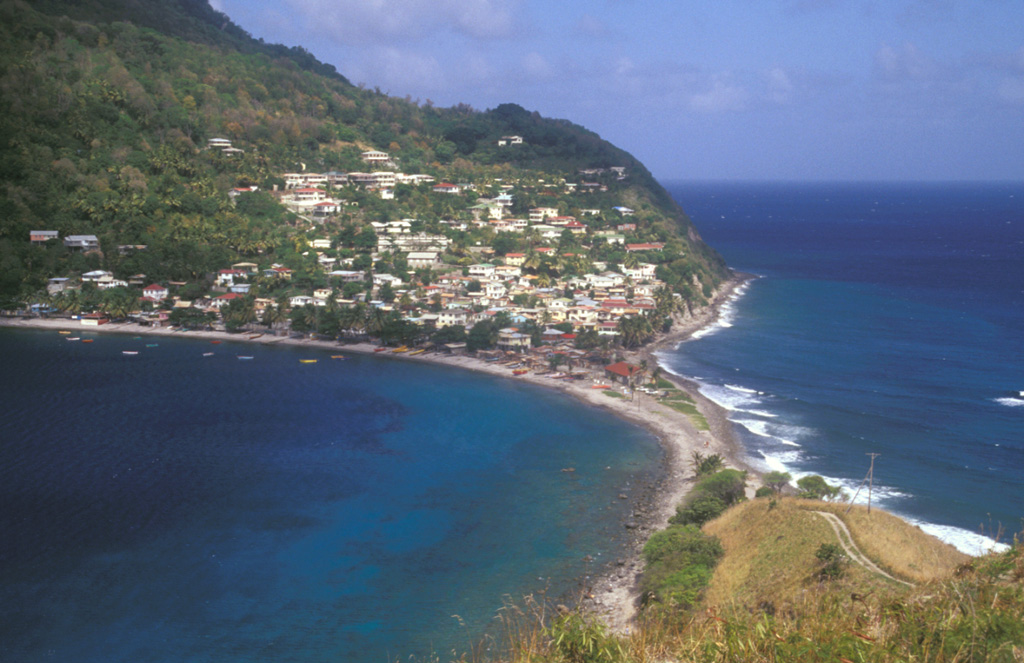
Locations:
(130, 353)
(244, 356)
(207, 354)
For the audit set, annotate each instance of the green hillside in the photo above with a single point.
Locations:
(108, 107)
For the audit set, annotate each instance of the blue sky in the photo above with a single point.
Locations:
(729, 89)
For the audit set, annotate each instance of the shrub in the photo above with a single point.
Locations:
(679, 560)
(727, 485)
(700, 510)
(579, 639)
(833, 561)
(764, 491)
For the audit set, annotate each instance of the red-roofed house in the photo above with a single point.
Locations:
(445, 187)
(155, 292)
(622, 372)
(654, 246)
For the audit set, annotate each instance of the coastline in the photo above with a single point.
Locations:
(612, 591)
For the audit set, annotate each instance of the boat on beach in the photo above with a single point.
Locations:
(521, 371)
(379, 349)
(417, 352)
(401, 349)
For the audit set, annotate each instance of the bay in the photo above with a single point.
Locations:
(170, 506)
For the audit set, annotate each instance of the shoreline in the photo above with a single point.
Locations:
(610, 592)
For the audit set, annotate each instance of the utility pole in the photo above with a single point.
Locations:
(869, 479)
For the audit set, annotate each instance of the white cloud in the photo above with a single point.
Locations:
(389, 20)
(591, 26)
(905, 63)
(1011, 90)
(722, 97)
(535, 66)
(780, 88)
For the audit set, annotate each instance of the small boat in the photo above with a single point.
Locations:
(337, 356)
(401, 349)
(87, 340)
(521, 371)
(152, 345)
(601, 386)
(63, 332)
(244, 356)
(215, 342)
(207, 354)
(251, 336)
(307, 361)
(417, 352)
(379, 349)
(130, 353)
(74, 338)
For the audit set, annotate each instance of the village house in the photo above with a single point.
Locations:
(511, 340)
(510, 140)
(42, 236)
(652, 246)
(446, 187)
(82, 242)
(423, 259)
(452, 317)
(515, 259)
(155, 292)
(538, 214)
(374, 156)
(622, 372)
(482, 270)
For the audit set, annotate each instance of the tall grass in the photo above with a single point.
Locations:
(767, 604)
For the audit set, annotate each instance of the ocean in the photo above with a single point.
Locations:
(173, 506)
(885, 319)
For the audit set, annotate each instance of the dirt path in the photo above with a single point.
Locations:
(846, 541)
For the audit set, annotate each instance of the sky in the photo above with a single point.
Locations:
(721, 90)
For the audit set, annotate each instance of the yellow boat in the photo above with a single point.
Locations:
(416, 352)
(63, 332)
(337, 356)
(401, 349)
(307, 361)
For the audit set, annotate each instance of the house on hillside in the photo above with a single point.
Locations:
(82, 242)
(155, 292)
(42, 236)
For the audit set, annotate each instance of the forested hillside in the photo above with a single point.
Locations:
(107, 109)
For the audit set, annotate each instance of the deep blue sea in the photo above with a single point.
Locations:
(170, 506)
(888, 319)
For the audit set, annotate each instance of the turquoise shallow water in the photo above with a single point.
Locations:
(888, 318)
(171, 506)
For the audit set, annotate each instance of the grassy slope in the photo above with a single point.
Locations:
(770, 552)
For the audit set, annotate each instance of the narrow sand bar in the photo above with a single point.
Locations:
(612, 592)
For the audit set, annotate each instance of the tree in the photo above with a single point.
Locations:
(815, 487)
(777, 480)
(705, 465)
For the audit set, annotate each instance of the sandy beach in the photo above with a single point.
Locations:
(612, 591)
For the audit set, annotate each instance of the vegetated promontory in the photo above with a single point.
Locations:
(156, 143)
